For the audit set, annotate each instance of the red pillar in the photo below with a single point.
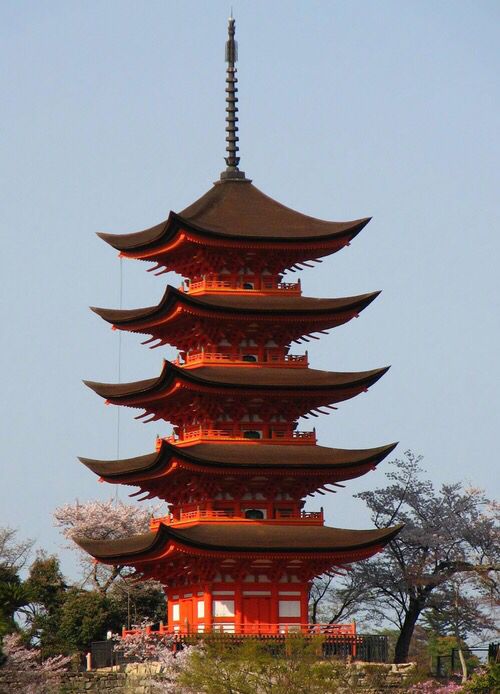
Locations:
(274, 608)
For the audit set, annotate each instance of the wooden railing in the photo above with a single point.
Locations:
(315, 517)
(199, 433)
(262, 628)
(228, 285)
(293, 360)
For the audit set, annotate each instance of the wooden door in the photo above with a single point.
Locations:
(186, 614)
(256, 614)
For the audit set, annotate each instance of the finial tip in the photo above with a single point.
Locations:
(232, 171)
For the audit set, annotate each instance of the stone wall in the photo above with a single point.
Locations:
(139, 679)
(131, 679)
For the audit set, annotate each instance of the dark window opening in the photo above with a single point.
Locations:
(247, 285)
(254, 514)
(252, 434)
(249, 357)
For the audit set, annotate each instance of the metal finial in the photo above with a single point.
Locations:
(232, 159)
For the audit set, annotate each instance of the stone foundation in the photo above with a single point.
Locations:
(139, 679)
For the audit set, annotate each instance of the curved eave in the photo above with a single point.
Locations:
(245, 457)
(161, 234)
(258, 306)
(239, 379)
(259, 538)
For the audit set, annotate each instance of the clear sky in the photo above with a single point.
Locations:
(112, 115)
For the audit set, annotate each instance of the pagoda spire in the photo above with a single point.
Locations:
(232, 159)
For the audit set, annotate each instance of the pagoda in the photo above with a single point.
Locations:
(236, 550)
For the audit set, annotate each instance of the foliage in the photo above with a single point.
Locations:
(137, 601)
(443, 646)
(456, 609)
(58, 618)
(223, 667)
(269, 667)
(62, 619)
(449, 532)
(143, 645)
(484, 681)
(101, 520)
(86, 616)
(45, 582)
(147, 648)
(41, 676)
(13, 594)
(45, 588)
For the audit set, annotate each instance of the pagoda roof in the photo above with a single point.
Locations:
(244, 304)
(234, 537)
(231, 456)
(240, 377)
(236, 209)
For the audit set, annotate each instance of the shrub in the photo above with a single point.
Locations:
(485, 680)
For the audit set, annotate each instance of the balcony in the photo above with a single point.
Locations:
(344, 636)
(309, 517)
(200, 434)
(236, 286)
(270, 359)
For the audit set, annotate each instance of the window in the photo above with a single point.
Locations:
(176, 613)
(223, 608)
(289, 608)
(249, 357)
(251, 434)
(254, 513)
(247, 285)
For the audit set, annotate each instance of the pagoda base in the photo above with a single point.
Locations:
(254, 605)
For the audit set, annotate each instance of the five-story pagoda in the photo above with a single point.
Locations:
(236, 550)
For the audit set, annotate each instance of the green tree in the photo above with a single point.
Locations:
(86, 616)
(13, 596)
(457, 613)
(46, 589)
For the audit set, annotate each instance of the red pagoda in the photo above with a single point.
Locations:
(237, 551)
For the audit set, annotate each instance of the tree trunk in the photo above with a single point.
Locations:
(463, 664)
(404, 638)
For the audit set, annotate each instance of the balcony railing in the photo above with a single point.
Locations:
(293, 360)
(313, 517)
(345, 632)
(268, 286)
(200, 433)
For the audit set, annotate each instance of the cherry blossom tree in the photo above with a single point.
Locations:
(40, 677)
(159, 653)
(335, 596)
(102, 520)
(14, 553)
(448, 533)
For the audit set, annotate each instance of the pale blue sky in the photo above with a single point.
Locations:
(112, 115)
